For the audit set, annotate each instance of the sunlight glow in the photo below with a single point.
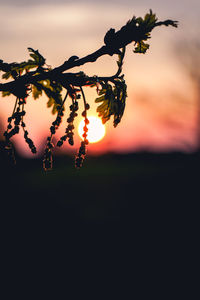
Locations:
(96, 130)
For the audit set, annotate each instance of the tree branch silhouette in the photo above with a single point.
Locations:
(34, 76)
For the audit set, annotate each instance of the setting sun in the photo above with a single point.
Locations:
(96, 130)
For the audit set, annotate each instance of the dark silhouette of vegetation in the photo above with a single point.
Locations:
(34, 77)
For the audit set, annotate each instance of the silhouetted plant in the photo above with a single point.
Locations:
(34, 77)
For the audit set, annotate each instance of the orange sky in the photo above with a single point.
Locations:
(160, 112)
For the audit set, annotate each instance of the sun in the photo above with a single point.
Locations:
(96, 130)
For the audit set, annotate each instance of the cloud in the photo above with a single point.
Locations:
(58, 2)
(64, 20)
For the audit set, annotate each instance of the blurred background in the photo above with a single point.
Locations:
(146, 166)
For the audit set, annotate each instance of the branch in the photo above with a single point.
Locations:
(70, 63)
(37, 77)
(136, 30)
(55, 74)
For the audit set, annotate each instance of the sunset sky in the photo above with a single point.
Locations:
(161, 105)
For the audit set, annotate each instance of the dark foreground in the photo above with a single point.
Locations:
(142, 187)
(119, 216)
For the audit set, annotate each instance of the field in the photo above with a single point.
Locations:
(108, 189)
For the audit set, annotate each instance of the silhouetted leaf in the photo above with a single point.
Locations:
(141, 47)
(120, 60)
(36, 91)
(112, 99)
(37, 57)
(7, 75)
(6, 93)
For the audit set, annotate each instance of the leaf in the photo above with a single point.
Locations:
(6, 93)
(150, 20)
(141, 47)
(100, 99)
(36, 91)
(19, 68)
(7, 75)
(120, 60)
(53, 92)
(112, 99)
(50, 102)
(55, 107)
(30, 64)
(37, 57)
